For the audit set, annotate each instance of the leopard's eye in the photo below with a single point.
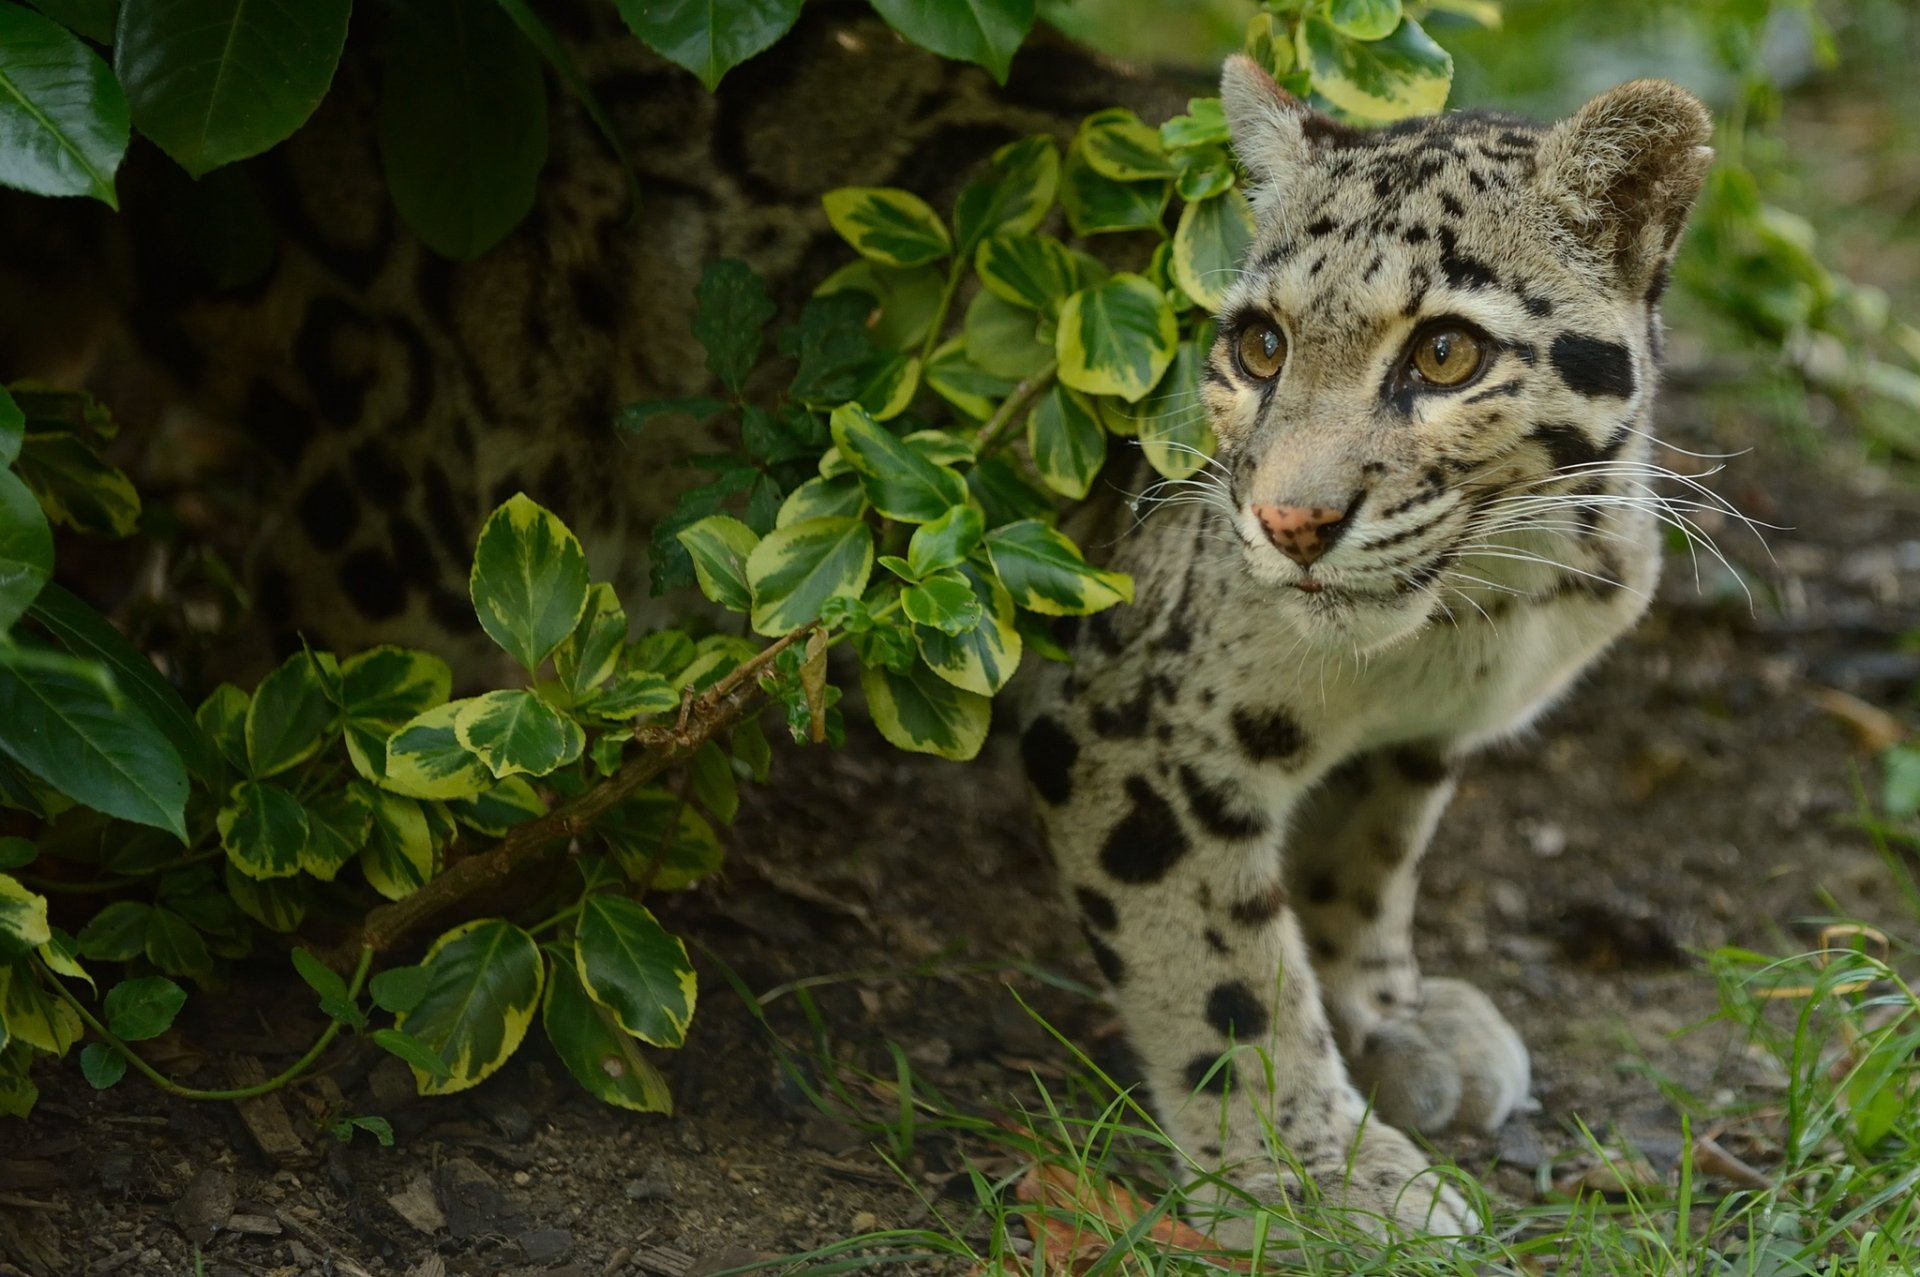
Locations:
(1447, 355)
(1263, 350)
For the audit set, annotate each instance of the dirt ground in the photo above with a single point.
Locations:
(1690, 793)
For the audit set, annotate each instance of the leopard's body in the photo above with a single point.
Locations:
(1239, 773)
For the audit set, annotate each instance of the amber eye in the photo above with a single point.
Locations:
(1447, 355)
(1263, 350)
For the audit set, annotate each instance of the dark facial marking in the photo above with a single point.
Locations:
(1048, 752)
(1215, 809)
(1197, 1079)
(1148, 841)
(1127, 720)
(1111, 965)
(1420, 765)
(1321, 889)
(1591, 367)
(1268, 735)
(1096, 908)
(1235, 1011)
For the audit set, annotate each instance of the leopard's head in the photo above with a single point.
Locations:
(1433, 375)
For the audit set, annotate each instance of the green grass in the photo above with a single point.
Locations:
(1836, 1148)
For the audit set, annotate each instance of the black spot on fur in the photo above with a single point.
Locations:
(1126, 721)
(1657, 287)
(379, 478)
(1453, 206)
(1097, 908)
(1268, 735)
(1111, 965)
(1216, 941)
(1321, 226)
(1148, 841)
(1507, 388)
(1368, 905)
(1321, 889)
(1215, 810)
(1198, 1068)
(372, 585)
(1260, 908)
(1568, 448)
(1591, 367)
(411, 553)
(1415, 235)
(594, 300)
(1538, 307)
(1235, 1011)
(1049, 751)
(1420, 764)
(329, 511)
(1104, 630)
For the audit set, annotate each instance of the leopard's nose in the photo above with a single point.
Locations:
(1302, 532)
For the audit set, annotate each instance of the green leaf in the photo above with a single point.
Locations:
(512, 802)
(213, 81)
(462, 122)
(117, 933)
(142, 1008)
(654, 835)
(400, 989)
(84, 633)
(176, 946)
(529, 580)
(1015, 198)
(1066, 441)
(223, 718)
(426, 758)
(483, 983)
(1000, 338)
(1044, 572)
(1209, 246)
(799, 567)
(837, 358)
(101, 1065)
(984, 31)
(983, 658)
(289, 717)
(23, 919)
(592, 652)
(634, 417)
(1204, 173)
(708, 37)
(905, 300)
(381, 689)
(1204, 124)
(398, 856)
(963, 383)
(1172, 424)
(76, 487)
(26, 549)
(93, 20)
(517, 733)
(1119, 147)
(719, 546)
(62, 112)
(1117, 338)
(1034, 271)
(943, 602)
(602, 1058)
(631, 694)
(70, 735)
(900, 482)
(337, 827)
(320, 977)
(922, 712)
(278, 904)
(33, 1016)
(264, 830)
(630, 965)
(1096, 204)
(412, 1052)
(891, 388)
(1389, 79)
(1005, 494)
(730, 320)
(1364, 19)
(946, 542)
(16, 852)
(886, 225)
(710, 773)
(13, 427)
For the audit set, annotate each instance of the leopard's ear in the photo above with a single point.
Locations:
(1620, 175)
(1267, 123)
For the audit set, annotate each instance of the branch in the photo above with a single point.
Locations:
(703, 717)
(1023, 394)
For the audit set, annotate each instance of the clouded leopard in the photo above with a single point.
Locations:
(1431, 388)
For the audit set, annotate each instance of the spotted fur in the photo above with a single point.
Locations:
(1241, 774)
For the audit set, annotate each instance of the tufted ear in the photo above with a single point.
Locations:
(1621, 173)
(1266, 121)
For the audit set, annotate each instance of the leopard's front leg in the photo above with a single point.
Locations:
(1174, 862)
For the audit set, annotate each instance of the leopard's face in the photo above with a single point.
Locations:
(1428, 336)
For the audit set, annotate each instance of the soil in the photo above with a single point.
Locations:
(1690, 793)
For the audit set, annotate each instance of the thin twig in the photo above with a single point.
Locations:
(1023, 395)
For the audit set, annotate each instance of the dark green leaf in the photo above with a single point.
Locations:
(946, 542)
(602, 1058)
(836, 356)
(484, 980)
(320, 977)
(117, 933)
(213, 81)
(634, 417)
(412, 1050)
(76, 487)
(733, 310)
(62, 113)
(529, 580)
(1012, 201)
(984, 31)
(516, 733)
(26, 550)
(143, 1008)
(709, 37)
(462, 123)
(101, 1065)
(901, 483)
(176, 946)
(264, 830)
(94, 20)
(633, 967)
(399, 989)
(68, 733)
(291, 713)
(719, 547)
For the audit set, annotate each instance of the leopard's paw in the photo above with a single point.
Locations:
(1455, 1061)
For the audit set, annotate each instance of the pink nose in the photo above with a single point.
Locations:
(1301, 532)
